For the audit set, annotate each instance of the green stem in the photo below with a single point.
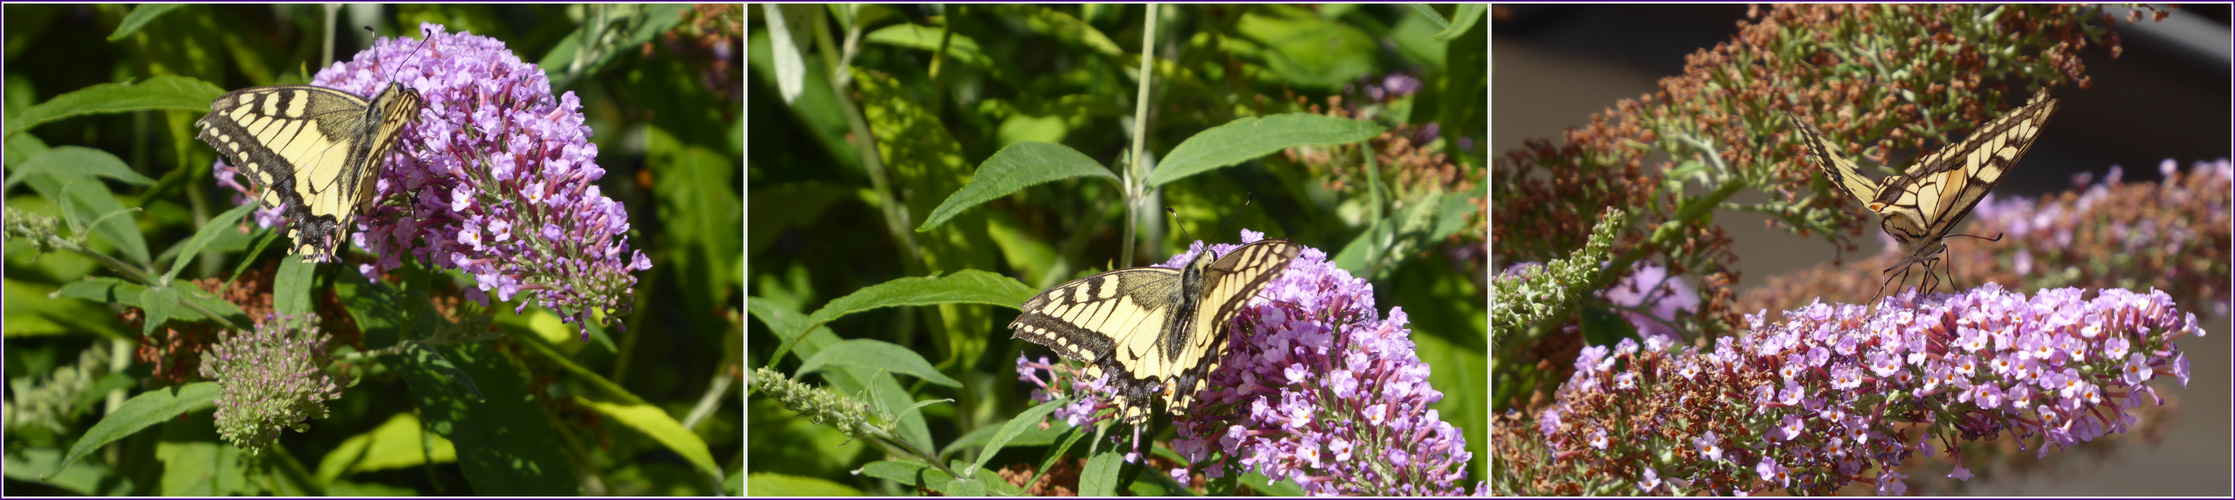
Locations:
(1136, 177)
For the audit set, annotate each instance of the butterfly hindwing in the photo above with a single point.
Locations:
(312, 152)
(1154, 330)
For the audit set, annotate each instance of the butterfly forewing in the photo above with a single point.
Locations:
(1919, 207)
(312, 151)
(1237, 277)
(1942, 188)
(1154, 330)
(1842, 173)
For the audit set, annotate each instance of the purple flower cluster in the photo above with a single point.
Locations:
(1327, 394)
(1388, 87)
(497, 180)
(1812, 404)
(1089, 397)
(2169, 234)
(1320, 390)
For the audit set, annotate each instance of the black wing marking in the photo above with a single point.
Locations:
(1155, 330)
(311, 151)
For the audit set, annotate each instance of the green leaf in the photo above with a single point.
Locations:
(1469, 407)
(85, 201)
(1024, 422)
(1282, 488)
(923, 475)
(77, 160)
(397, 443)
(229, 315)
(1462, 20)
(788, 325)
(1453, 215)
(658, 425)
(906, 472)
(200, 468)
(771, 484)
(1064, 28)
(620, 405)
(960, 48)
(1071, 436)
(262, 242)
(879, 388)
(93, 478)
(1305, 50)
(968, 286)
(1021, 165)
(703, 220)
(505, 442)
(923, 156)
(31, 309)
(1359, 256)
(147, 409)
(1464, 91)
(341, 488)
(1428, 12)
(140, 16)
(1100, 476)
(22, 147)
(876, 355)
(652, 20)
(1033, 436)
(291, 288)
(1249, 138)
(115, 291)
(974, 486)
(779, 209)
(791, 67)
(158, 303)
(218, 226)
(1602, 326)
(102, 289)
(160, 93)
(380, 313)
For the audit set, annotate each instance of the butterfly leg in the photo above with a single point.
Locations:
(1950, 266)
(1903, 276)
(1932, 281)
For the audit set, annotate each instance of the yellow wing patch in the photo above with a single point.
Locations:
(313, 152)
(1158, 332)
(1923, 204)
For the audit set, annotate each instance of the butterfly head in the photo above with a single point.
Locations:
(1193, 273)
(399, 99)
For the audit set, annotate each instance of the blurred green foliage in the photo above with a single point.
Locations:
(650, 410)
(995, 128)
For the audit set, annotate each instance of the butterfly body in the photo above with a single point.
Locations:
(1156, 331)
(1919, 207)
(313, 152)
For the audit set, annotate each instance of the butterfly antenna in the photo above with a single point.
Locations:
(1176, 223)
(1247, 199)
(423, 38)
(1997, 236)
